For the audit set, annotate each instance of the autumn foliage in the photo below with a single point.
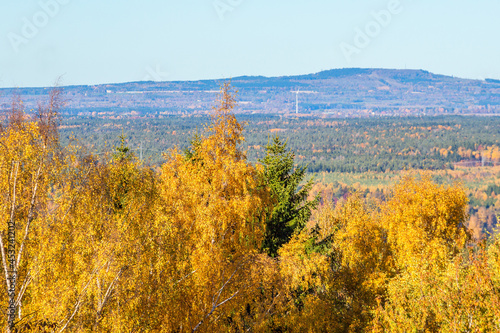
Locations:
(213, 243)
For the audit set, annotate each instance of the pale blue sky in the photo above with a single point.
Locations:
(107, 41)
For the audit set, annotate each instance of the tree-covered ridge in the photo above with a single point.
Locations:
(212, 242)
(345, 92)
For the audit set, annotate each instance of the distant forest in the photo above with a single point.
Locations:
(322, 144)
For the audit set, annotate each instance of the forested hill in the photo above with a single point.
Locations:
(337, 92)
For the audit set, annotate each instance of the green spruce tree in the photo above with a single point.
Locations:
(291, 209)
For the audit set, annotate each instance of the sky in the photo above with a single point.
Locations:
(111, 41)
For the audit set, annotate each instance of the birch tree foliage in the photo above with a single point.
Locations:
(425, 221)
(350, 258)
(211, 212)
(438, 284)
(86, 250)
(28, 166)
(388, 261)
(108, 248)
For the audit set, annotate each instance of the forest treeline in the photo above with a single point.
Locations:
(211, 242)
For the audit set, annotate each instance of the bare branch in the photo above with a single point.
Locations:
(216, 297)
(184, 277)
(13, 174)
(26, 282)
(4, 263)
(110, 289)
(30, 214)
(214, 307)
(11, 254)
(79, 300)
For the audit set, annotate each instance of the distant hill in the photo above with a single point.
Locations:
(336, 92)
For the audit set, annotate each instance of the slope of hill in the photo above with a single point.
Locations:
(337, 92)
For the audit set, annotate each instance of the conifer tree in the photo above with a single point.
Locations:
(291, 210)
